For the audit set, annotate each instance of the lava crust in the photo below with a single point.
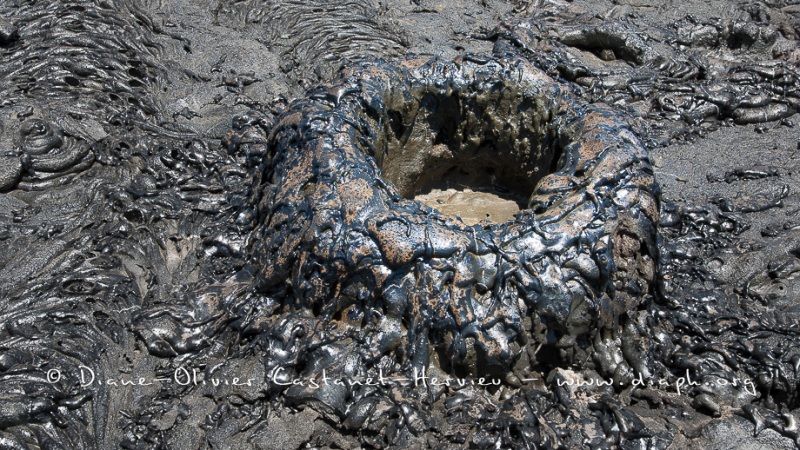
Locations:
(281, 286)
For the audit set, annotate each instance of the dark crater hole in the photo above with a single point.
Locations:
(477, 152)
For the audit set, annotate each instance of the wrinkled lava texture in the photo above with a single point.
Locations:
(208, 237)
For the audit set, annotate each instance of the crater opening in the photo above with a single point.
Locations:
(476, 152)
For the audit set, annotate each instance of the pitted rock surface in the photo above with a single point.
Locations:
(337, 239)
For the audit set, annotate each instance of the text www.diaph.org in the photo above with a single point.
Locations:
(277, 377)
(679, 385)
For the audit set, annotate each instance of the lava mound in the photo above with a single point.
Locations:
(354, 261)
